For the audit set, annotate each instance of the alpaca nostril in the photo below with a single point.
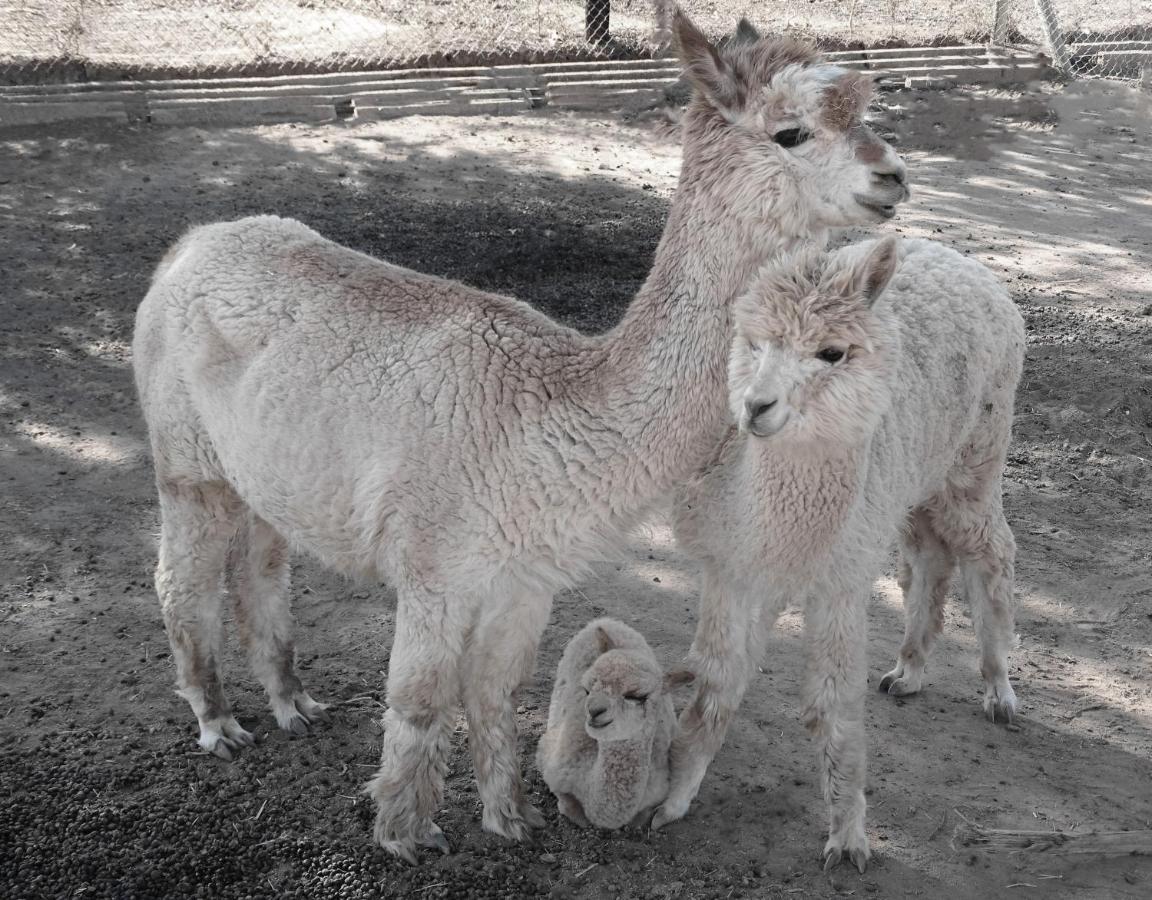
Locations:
(757, 408)
(596, 712)
(896, 178)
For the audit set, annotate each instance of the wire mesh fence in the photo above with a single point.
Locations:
(74, 39)
(1085, 38)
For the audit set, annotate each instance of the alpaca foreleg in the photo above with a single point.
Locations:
(728, 643)
(501, 656)
(834, 714)
(197, 524)
(926, 573)
(423, 691)
(258, 572)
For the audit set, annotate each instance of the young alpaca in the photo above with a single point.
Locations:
(610, 726)
(461, 445)
(870, 406)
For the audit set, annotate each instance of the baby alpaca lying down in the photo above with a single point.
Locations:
(610, 725)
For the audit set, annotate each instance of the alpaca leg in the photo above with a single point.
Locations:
(834, 714)
(501, 656)
(572, 809)
(258, 574)
(988, 576)
(197, 524)
(926, 572)
(423, 691)
(729, 641)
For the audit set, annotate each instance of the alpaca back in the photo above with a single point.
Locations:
(953, 390)
(300, 372)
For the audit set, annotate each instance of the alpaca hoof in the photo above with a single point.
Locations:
(531, 815)
(901, 687)
(858, 856)
(435, 840)
(1000, 705)
(899, 683)
(224, 738)
(401, 850)
(851, 841)
(514, 827)
(299, 714)
(223, 749)
(667, 813)
(403, 846)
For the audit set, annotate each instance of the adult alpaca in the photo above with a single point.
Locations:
(459, 444)
(867, 412)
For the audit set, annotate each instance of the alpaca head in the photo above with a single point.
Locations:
(810, 359)
(777, 135)
(624, 691)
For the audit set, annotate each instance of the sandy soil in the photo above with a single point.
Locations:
(102, 790)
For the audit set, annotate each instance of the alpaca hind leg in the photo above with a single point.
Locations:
(258, 573)
(926, 572)
(834, 714)
(197, 524)
(729, 641)
(423, 693)
(501, 656)
(987, 570)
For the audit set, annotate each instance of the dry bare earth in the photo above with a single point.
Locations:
(102, 792)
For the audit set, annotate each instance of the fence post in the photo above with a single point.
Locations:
(1060, 58)
(1000, 22)
(597, 14)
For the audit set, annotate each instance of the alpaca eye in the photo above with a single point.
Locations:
(586, 691)
(830, 355)
(791, 137)
(636, 698)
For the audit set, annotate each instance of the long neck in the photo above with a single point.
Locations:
(666, 363)
(826, 478)
(619, 780)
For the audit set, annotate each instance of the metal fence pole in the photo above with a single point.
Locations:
(1000, 22)
(1060, 57)
(597, 14)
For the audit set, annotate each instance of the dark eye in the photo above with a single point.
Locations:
(791, 137)
(830, 355)
(636, 698)
(585, 690)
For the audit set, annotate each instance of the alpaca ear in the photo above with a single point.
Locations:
(705, 68)
(880, 266)
(604, 640)
(863, 271)
(678, 678)
(746, 32)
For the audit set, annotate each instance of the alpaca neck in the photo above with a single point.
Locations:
(619, 780)
(667, 361)
(826, 479)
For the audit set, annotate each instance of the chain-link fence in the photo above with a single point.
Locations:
(83, 39)
(1085, 38)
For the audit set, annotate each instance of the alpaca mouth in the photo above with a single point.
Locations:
(597, 724)
(884, 210)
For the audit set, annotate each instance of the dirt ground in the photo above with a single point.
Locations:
(103, 792)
